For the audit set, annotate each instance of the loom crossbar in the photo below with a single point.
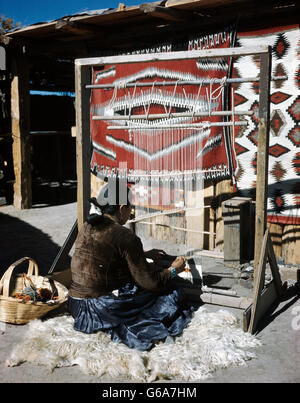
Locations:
(172, 115)
(181, 55)
(191, 82)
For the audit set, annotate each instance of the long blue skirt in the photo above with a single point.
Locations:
(136, 317)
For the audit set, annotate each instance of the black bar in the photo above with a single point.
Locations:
(65, 249)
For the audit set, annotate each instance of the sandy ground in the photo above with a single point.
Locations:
(41, 231)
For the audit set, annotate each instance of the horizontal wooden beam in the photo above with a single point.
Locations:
(201, 3)
(223, 52)
(164, 13)
(171, 115)
(196, 294)
(36, 47)
(78, 28)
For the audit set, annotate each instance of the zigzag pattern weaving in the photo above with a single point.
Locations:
(284, 189)
(159, 145)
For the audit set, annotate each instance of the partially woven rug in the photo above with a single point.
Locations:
(211, 341)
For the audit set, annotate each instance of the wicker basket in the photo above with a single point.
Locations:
(16, 311)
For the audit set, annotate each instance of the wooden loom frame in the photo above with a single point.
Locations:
(264, 295)
(82, 90)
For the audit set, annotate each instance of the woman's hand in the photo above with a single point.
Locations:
(155, 254)
(179, 264)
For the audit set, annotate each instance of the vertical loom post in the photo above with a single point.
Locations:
(262, 155)
(20, 130)
(83, 144)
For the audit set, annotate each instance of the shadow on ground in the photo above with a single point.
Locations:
(19, 239)
(291, 296)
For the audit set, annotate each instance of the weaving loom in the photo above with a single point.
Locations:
(88, 114)
(161, 124)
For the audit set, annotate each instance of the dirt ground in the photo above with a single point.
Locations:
(41, 231)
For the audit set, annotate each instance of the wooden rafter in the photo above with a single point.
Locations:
(164, 13)
(78, 28)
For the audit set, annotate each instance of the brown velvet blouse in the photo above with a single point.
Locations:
(108, 256)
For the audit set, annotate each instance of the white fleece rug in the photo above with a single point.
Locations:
(211, 341)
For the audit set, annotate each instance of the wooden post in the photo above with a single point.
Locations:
(262, 155)
(275, 231)
(237, 231)
(20, 132)
(259, 281)
(208, 215)
(290, 240)
(83, 144)
(212, 222)
(224, 191)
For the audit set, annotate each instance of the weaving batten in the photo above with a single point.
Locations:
(171, 174)
(192, 126)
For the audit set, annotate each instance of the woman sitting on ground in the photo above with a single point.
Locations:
(114, 289)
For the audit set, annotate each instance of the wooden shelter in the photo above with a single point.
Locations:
(41, 57)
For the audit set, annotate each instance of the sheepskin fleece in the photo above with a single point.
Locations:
(211, 341)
